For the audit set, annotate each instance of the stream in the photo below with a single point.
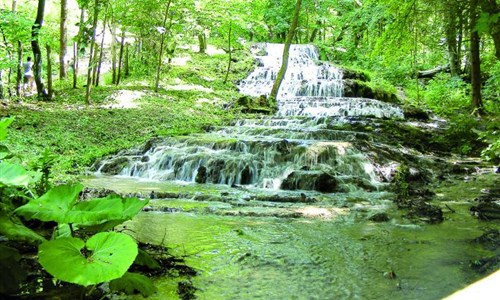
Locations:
(279, 207)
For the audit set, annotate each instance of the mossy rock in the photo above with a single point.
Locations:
(349, 73)
(360, 89)
(416, 113)
(115, 166)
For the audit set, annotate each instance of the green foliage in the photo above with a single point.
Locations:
(491, 136)
(13, 175)
(44, 165)
(13, 229)
(132, 282)
(106, 256)
(60, 205)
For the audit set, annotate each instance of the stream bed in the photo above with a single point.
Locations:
(300, 205)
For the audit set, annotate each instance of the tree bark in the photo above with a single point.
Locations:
(63, 41)
(37, 53)
(101, 54)
(120, 58)
(477, 103)
(162, 43)
(50, 89)
(91, 54)
(286, 53)
(493, 8)
(202, 41)
(19, 74)
(451, 28)
(75, 65)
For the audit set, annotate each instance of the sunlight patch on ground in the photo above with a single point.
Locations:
(181, 61)
(320, 212)
(124, 99)
(188, 87)
(211, 50)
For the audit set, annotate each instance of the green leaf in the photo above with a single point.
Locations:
(60, 204)
(4, 152)
(4, 123)
(12, 273)
(144, 259)
(132, 282)
(16, 230)
(111, 255)
(53, 205)
(13, 175)
(111, 208)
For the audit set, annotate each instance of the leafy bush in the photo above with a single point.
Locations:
(446, 95)
(92, 260)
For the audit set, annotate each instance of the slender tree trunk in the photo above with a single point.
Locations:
(113, 53)
(37, 53)
(75, 65)
(101, 54)
(95, 63)
(49, 73)
(122, 43)
(91, 54)
(9, 56)
(63, 42)
(126, 70)
(1, 85)
(14, 5)
(19, 74)
(451, 27)
(229, 51)
(286, 53)
(493, 8)
(477, 103)
(202, 41)
(162, 43)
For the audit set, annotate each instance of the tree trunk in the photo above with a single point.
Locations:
(162, 43)
(75, 65)
(95, 63)
(113, 54)
(1, 85)
(493, 8)
(91, 54)
(229, 51)
(286, 53)
(120, 58)
(63, 39)
(126, 69)
(19, 74)
(49, 73)
(202, 41)
(101, 54)
(37, 53)
(477, 103)
(451, 39)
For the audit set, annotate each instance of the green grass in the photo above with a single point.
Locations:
(79, 134)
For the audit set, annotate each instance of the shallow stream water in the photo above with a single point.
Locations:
(279, 207)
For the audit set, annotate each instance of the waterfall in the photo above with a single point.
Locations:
(310, 87)
(294, 150)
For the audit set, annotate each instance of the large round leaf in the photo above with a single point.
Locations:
(13, 175)
(110, 254)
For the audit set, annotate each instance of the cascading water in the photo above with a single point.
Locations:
(278, 153)
(281, 207)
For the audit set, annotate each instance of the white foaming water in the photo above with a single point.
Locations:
(310, 88)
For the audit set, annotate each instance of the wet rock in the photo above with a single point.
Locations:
(114, 166)
(201, 176)
(304, 180)
(486, 211)
(425, 212)
(490, 239)
(359, 89)
(246, 175)
(416, 113)
(293, 199)
(486, 263)
(379, 217)
(91, 193)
